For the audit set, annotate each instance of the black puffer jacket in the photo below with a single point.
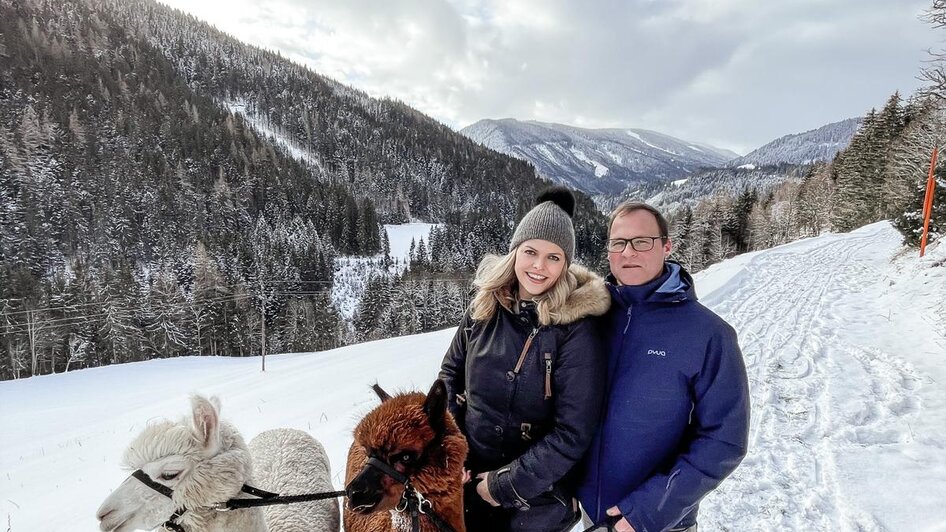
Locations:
(529, 425)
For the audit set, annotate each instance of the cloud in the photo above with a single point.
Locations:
(734, 73)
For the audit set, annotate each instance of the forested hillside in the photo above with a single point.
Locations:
(142, 215)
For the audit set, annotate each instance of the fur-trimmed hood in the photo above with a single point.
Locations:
(590, 297)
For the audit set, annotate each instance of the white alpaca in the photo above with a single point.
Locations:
(206, 462)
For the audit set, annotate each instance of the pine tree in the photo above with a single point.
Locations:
(373, 302)
(857, 190)
(760, 230)
(420, 261)
(81, 331)
(119, 333)
(910, 223)
(910, 154)
(814, 201)
(205, 301)
(167, 321)
(681, 236)
(738, 224)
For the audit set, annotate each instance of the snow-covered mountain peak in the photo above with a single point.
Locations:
(820, 144)
(596, 161)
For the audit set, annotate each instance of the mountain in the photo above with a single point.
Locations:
(820, 144)
(713, 181)
(787, 158)
(597, 161)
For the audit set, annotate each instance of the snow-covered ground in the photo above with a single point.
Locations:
(262, 126)
(401, 236)
(351, 273)
(844, 339)
(846, 355)
(600, 169)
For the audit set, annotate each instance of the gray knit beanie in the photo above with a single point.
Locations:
(550, 219)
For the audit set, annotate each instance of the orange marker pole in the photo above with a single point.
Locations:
(928, 201)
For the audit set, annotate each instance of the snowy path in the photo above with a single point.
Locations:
(819, 397)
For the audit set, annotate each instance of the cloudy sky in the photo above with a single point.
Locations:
(733, 73)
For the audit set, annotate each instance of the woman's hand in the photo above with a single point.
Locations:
(482, 489)
(622, 525)
(466, 475)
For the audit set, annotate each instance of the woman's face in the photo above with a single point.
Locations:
(539, 264)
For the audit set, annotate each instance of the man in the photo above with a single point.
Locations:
(677, 414)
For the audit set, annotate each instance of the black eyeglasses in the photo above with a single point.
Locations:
(638, 243)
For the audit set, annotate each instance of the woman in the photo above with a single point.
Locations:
(524, 374)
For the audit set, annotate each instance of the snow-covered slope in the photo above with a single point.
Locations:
(844, 338)
(820, 144)
(596, 161)
(293, 147)
(351, 273)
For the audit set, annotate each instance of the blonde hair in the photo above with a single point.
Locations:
(496, 280)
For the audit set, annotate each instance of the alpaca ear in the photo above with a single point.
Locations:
(383, 395)
(206, 420)
(435, 406)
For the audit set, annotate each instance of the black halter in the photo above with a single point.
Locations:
(412, 501)
(266, 498)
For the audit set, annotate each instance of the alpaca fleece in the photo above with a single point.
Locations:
(400, 423)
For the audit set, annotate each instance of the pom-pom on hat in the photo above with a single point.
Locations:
(551, 220)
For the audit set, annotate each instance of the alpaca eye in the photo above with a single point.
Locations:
(406, 458)
(170, 475)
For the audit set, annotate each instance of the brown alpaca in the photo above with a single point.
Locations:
(415, 435)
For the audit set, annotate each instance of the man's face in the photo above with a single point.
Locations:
(632, 267)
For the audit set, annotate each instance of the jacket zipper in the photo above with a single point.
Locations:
(525, 350)
(548, 375)
(630, 311)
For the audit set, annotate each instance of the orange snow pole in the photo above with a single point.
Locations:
(928, 201)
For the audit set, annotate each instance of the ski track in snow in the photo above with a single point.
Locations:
(813, 394)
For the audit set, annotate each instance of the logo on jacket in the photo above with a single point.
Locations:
(656, 352)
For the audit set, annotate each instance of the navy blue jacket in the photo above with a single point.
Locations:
(676, 419)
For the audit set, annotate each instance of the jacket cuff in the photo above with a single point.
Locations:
(634, 517)
(499, 484)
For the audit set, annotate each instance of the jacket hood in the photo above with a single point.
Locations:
(590, 297)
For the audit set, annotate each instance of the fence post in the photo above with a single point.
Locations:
(928, 201)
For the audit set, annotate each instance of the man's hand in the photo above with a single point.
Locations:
(482, 489)
(622, 525)
(466, 475)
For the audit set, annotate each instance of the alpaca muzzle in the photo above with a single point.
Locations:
(366, 491)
